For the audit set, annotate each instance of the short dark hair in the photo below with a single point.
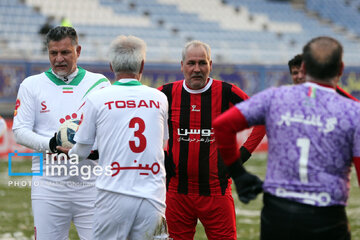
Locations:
(60, 32)
(295, 61)
(322, 57)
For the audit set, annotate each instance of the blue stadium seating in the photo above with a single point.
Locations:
(170, 26)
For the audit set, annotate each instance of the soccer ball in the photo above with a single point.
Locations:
(65, 135)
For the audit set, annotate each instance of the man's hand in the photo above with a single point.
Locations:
(53, 144)
(248, 186)
(61, 149)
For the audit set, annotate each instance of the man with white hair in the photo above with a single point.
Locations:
(129, 122)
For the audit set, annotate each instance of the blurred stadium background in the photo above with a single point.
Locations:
(251, 40)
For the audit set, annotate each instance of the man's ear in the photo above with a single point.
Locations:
(78, 50)
(341, 69)
(142, 67)
(111, 67)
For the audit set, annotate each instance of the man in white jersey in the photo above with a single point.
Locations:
(314, 138)
(44, 102)
(129, 122)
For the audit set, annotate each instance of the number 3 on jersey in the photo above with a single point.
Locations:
(140, 124)
(304, 145)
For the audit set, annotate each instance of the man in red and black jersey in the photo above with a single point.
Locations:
(197, 179)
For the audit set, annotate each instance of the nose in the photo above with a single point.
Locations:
(59, 58)
(197, 68)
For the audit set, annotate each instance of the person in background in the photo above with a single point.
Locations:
(198, 182)
(44, 102)
(314, 137)
(45, 28)
(294, 67)
(65, 22)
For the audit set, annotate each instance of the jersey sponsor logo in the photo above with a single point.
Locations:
(133, 104)
(144, 170)
(44, 107)
(201, 132)
(193, 108)
(17, 105)
(189, 135)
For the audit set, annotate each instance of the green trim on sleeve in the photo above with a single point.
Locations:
(95, 84)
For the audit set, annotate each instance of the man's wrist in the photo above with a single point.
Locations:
(244, 154)
(236, 169)
(53, 144)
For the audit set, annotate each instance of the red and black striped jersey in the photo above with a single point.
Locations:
(191, 147)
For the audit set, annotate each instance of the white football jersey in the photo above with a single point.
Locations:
(44, 102)
(129, 122)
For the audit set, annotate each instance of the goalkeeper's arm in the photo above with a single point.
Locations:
(226, 126)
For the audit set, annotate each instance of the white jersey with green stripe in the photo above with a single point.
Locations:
(129, 121)
(44, 102)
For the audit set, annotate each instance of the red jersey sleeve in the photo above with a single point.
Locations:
(257, 133)
(255, 138)
(225, 127)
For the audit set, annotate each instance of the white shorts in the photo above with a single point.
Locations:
(119, 216)
(52, 218)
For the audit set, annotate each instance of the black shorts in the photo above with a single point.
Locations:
(282, 219)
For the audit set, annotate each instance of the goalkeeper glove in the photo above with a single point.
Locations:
(53, 144)
(248, 186)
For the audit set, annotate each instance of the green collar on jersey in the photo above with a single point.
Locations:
(130, 83)
(59, 82)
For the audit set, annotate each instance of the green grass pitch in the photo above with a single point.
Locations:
(17, 222)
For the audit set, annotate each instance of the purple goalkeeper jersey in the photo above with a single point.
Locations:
(313, 133)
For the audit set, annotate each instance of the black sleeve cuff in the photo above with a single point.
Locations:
(244, 154)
